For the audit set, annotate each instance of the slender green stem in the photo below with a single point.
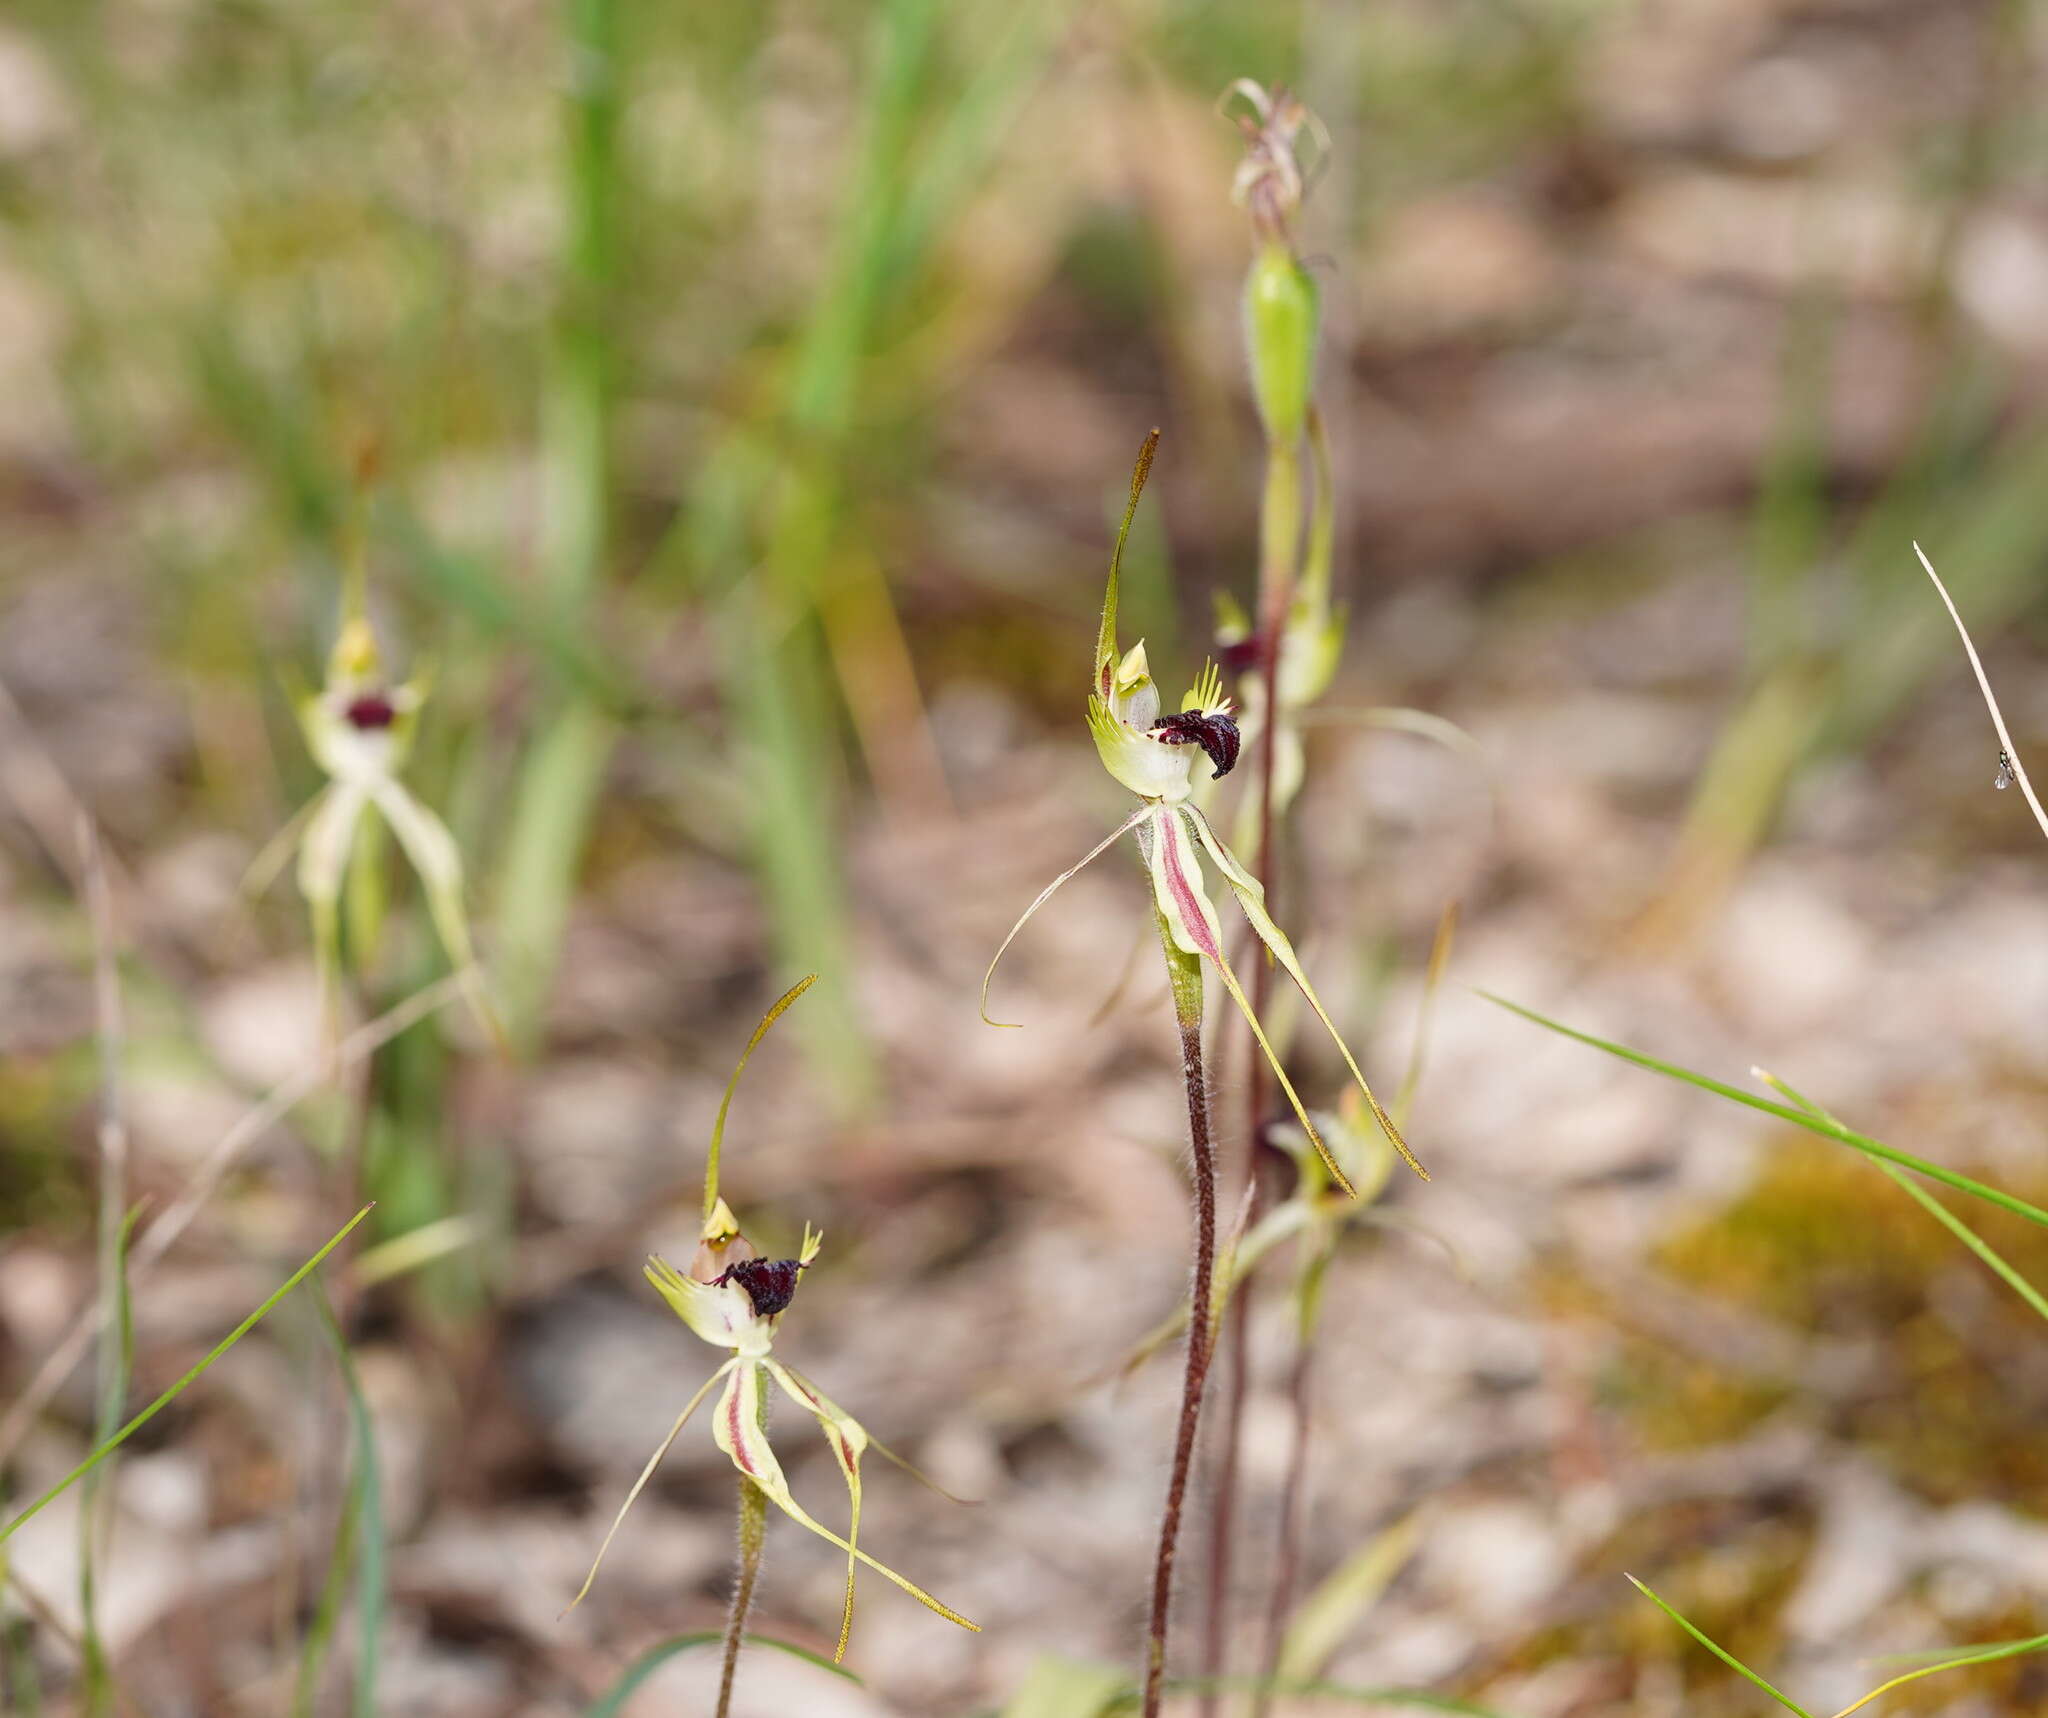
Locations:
(107, 1446)
(1185, 974)
(753, 1536)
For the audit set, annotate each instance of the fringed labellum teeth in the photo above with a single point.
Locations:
(1216, 733)
(770, 1284)
(370, 712)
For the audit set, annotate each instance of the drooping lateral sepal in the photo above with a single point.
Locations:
(740, 1434)
(1251, 896)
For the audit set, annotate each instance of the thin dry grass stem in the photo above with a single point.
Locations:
(109, 1022)
(48, 803)
(162, 1234)
(110, 1035)
(2009, 756)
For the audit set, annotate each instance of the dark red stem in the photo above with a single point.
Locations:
(1199, 1349)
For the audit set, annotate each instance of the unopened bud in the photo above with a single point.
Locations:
(1280, 310)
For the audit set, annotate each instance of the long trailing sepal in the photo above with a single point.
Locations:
(640, 1484)
(1101, 847)
(737, 1429)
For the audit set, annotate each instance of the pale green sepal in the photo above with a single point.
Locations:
(323, 865)
(1105, 638)
(1148, 767)
(723, 1316)
(438, 860)
(712, 1203)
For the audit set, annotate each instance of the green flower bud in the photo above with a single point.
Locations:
(1280, 334)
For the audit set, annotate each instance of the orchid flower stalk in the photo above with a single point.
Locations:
(359, 726)
(734, 1299)
(1154, 753)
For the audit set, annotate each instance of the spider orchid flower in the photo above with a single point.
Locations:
(359, 727)
(734, 1299)
(1155, 756)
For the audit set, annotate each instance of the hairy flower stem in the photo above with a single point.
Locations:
(1185, 973)
(1279, 545)
(753, 1535)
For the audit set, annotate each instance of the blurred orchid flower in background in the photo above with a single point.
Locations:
(734, 1299)
(359, 727)
(1154, 756)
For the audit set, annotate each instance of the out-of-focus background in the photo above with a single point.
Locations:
(732, 405)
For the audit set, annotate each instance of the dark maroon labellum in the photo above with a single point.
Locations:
(370, 711)
(770, 1283)
(1216, 735)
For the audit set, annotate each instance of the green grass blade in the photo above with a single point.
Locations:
(613, 1701)
(556, 799)
(1946, 1657)
(109, 1445)
(366, 1506)
(544, 845)
(1938, 1211)
(471, 585)
(326, 1612)
(1813, 1121)
(1982, 1655)
(964, 142)
(1726, 1657)
(1971, 1239)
